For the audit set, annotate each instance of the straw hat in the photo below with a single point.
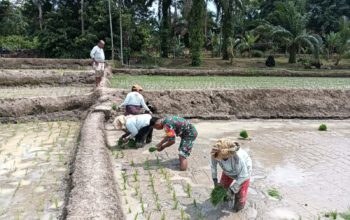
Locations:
(119, 122)
(136, 88)
(224, 148)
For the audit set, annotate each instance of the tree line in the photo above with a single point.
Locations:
(69, 28)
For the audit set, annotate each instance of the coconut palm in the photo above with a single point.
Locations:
(343, 43)
(288, 25)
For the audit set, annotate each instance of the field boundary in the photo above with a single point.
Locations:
(44, 63)
(232, 72)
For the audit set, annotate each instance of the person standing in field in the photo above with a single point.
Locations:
(176, 126)
(236, 167)
(98, 58)
(134, 101)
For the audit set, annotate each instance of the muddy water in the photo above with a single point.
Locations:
(33, 165)
(309, 169)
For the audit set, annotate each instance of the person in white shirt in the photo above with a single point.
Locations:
(236, 167)
(134, 101)
(98, 58)
(135, 127)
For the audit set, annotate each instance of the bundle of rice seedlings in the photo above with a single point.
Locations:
(322, 127)
(152, 149)
(114, 107)
(120, 142)
(131, 143)
(243, 134)
(218, 195)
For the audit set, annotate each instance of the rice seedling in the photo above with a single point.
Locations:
(195, 203)
(137, 190)
(136, 215)
(126, 202)
(125, 179)
(182, 214)
(176, 204)
(218, 195)
(243, 134)
(135, 175)
(158, 205)
(147, 164)
(227, 82)
(132, 163)
(163, 216)
(188, 190)
(149, 216)
(331, 214)
(345, 215)
(322, 127)
(142, 205)
(56, 202)
(273, 192)
(129, 210)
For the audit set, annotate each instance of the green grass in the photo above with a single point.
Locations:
(226, 82)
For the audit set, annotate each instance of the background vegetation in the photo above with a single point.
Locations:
(178, 28)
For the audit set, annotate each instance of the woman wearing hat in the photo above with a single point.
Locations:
(134, 101)
(135, 127)
(236, 170)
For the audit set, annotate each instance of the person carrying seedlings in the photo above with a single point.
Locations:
(236, 170)
(176, 126)
(98, 61)
(134, 101)
(135, 127)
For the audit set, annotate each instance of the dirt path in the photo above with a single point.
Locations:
(308, 168)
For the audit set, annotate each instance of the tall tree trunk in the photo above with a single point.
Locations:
(293, 53)
(206, 19)
(82, 17)
(164, 30)
(38, 4)
(196, 25)
(227, 29)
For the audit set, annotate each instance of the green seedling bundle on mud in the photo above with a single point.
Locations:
(152, 149)
(114, 107)
(322, 127)
(274, 193)
(243, 134)
(218, 195)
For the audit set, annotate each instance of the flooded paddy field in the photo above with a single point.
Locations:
(34, 164)
(307, 169)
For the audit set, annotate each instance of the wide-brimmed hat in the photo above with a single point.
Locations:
(119, 122)
(224, 148)
(136, 88)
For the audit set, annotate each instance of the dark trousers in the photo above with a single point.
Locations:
(144, 135)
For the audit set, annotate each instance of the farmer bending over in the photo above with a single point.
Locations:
(174, 125)
(134, 101)
(135, 127)
(236, 170)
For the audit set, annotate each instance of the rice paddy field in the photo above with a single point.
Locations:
(223, 82)
(34, 160)
(26, 92)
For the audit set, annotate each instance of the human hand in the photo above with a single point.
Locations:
(230, 194)
(159, 147)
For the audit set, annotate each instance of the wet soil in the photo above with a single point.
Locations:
(33, 168)
(308, 168)
(22, 77)
(37, 63)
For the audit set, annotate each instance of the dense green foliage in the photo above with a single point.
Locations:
(218, 195)
(69, 29)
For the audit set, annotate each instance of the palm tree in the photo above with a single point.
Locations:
(343, 44)
(247, 42)
(288, 25)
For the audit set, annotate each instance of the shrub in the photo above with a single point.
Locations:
(243, 134)
(322, 127)
(16, 42)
